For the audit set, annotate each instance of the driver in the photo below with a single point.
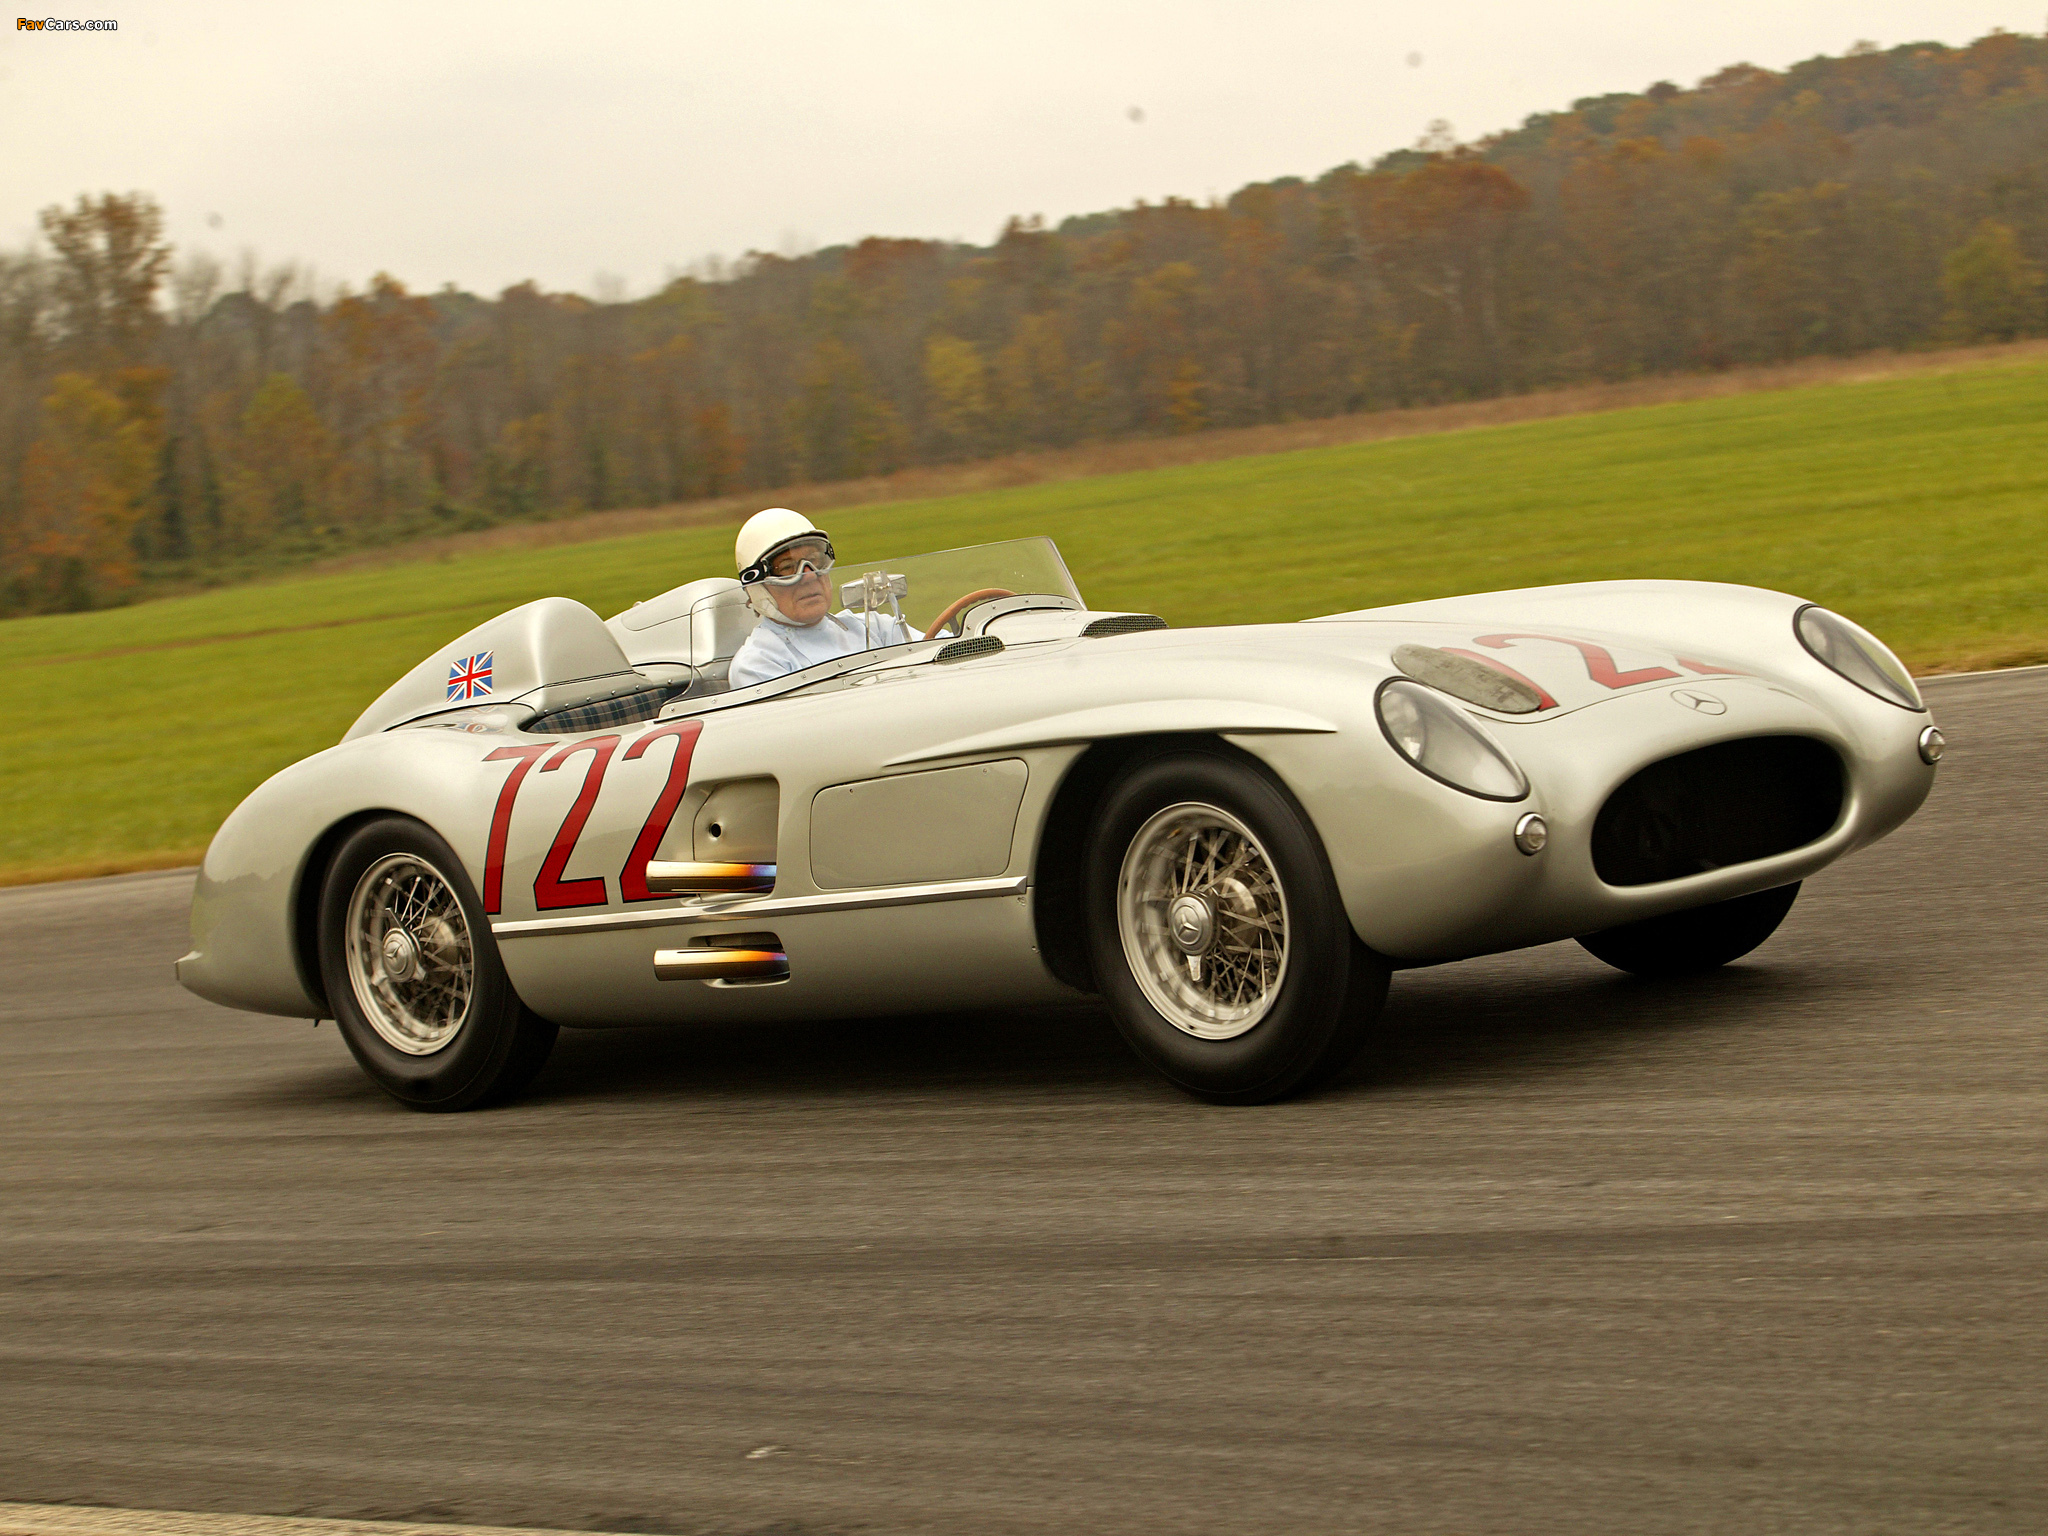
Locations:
(783, 563)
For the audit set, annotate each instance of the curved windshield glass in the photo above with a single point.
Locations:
(925, 589)
(840, 618)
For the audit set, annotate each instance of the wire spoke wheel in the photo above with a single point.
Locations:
(411, 960)
(1203, 920)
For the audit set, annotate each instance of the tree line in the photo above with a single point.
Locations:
(165, 419)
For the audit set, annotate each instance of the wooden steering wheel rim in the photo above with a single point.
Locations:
(960, 605)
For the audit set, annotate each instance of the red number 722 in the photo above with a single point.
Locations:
(550, 891)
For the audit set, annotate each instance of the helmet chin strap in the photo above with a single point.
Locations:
(760, 600)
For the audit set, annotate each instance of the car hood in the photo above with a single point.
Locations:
(1592, 642)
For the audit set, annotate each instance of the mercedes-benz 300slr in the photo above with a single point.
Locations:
(1231, 835)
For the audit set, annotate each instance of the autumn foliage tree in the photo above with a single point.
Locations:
(85, 483)
(281, 466)
(87, 479)
(111, 259)
(1993, 291)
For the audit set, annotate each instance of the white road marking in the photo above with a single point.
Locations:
(88, 1520)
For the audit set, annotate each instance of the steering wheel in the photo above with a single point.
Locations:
(960, 605)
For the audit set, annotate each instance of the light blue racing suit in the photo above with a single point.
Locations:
(774, 649)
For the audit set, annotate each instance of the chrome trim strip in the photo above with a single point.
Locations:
(747, 908)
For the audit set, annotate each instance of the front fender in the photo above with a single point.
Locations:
(247, 948)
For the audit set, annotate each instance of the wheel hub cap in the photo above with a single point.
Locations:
(401, 955)
(1192, 922)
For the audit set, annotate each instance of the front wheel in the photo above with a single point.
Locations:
(1218, 936)
(1697, 939)
(413, 975)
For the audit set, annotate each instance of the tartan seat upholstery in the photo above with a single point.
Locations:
(624, 709)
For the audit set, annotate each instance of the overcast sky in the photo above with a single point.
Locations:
(590, 145)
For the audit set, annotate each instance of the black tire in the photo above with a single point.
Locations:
(493, 1045)
(1321, 1004)
(1697, 939)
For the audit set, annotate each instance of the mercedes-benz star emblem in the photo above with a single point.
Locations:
(1705, 703)
(1191, 922)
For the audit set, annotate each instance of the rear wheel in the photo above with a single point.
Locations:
(1218, 936)
(413, 975)
(1697, 939)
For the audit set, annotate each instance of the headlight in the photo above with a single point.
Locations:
(1856, 654)
(1473, 681)
(1445, 743)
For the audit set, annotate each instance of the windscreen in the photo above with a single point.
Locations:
(921, 588)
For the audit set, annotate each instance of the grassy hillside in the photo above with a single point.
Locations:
(1918, 506)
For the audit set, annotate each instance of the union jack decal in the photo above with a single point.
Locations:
(470, 678)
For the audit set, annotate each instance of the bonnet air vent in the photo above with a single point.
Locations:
(1730, 803)
(1123, 624)
(967, 650)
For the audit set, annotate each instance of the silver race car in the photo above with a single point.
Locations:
(1232, 835)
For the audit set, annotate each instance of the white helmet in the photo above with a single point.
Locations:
(762, 537)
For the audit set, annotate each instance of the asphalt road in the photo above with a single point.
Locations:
(1762, 1252)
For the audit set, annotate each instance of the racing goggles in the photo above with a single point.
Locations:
(813, 558)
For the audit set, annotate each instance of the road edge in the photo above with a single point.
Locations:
(95, 1520)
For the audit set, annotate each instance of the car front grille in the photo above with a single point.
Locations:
(1715, 806)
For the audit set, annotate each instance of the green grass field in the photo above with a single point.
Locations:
(1917, 506)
